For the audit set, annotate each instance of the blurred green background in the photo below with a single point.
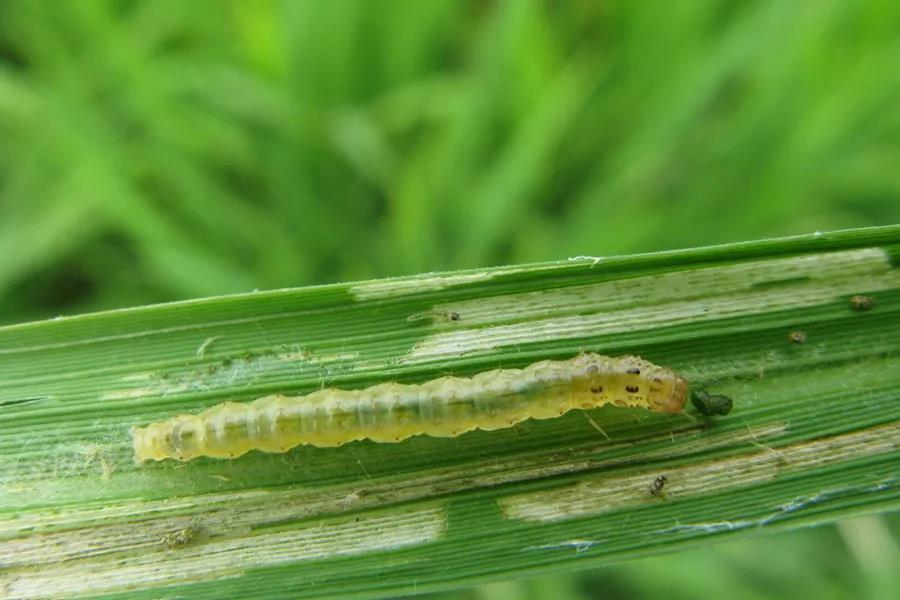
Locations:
(169, 149)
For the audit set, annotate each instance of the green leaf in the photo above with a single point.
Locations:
(813, 435)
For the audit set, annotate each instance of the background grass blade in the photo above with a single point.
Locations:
(813, 437)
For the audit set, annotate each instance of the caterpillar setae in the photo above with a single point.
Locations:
(391, 412)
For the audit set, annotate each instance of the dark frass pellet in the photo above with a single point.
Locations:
(711, 404)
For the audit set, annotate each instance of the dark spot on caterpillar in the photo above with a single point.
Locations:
(656, 488)
(797, 337)
(632, 389)
(861, 303)
(453, 316)
(711, 404)
(596, 389)
(592, 369)
(633, 371)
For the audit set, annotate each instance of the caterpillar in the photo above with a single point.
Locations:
(392, 412)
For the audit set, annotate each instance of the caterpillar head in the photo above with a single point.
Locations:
(634, 381)
(668, 394)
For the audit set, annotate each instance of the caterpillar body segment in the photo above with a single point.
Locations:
(392, 412)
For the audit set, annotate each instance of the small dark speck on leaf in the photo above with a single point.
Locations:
(797, 337)
(656, 488)
(19, 401)
(861, 303)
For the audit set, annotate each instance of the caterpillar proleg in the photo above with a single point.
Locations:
(392, 412)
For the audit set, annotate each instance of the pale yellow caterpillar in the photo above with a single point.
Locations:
(391, 412)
